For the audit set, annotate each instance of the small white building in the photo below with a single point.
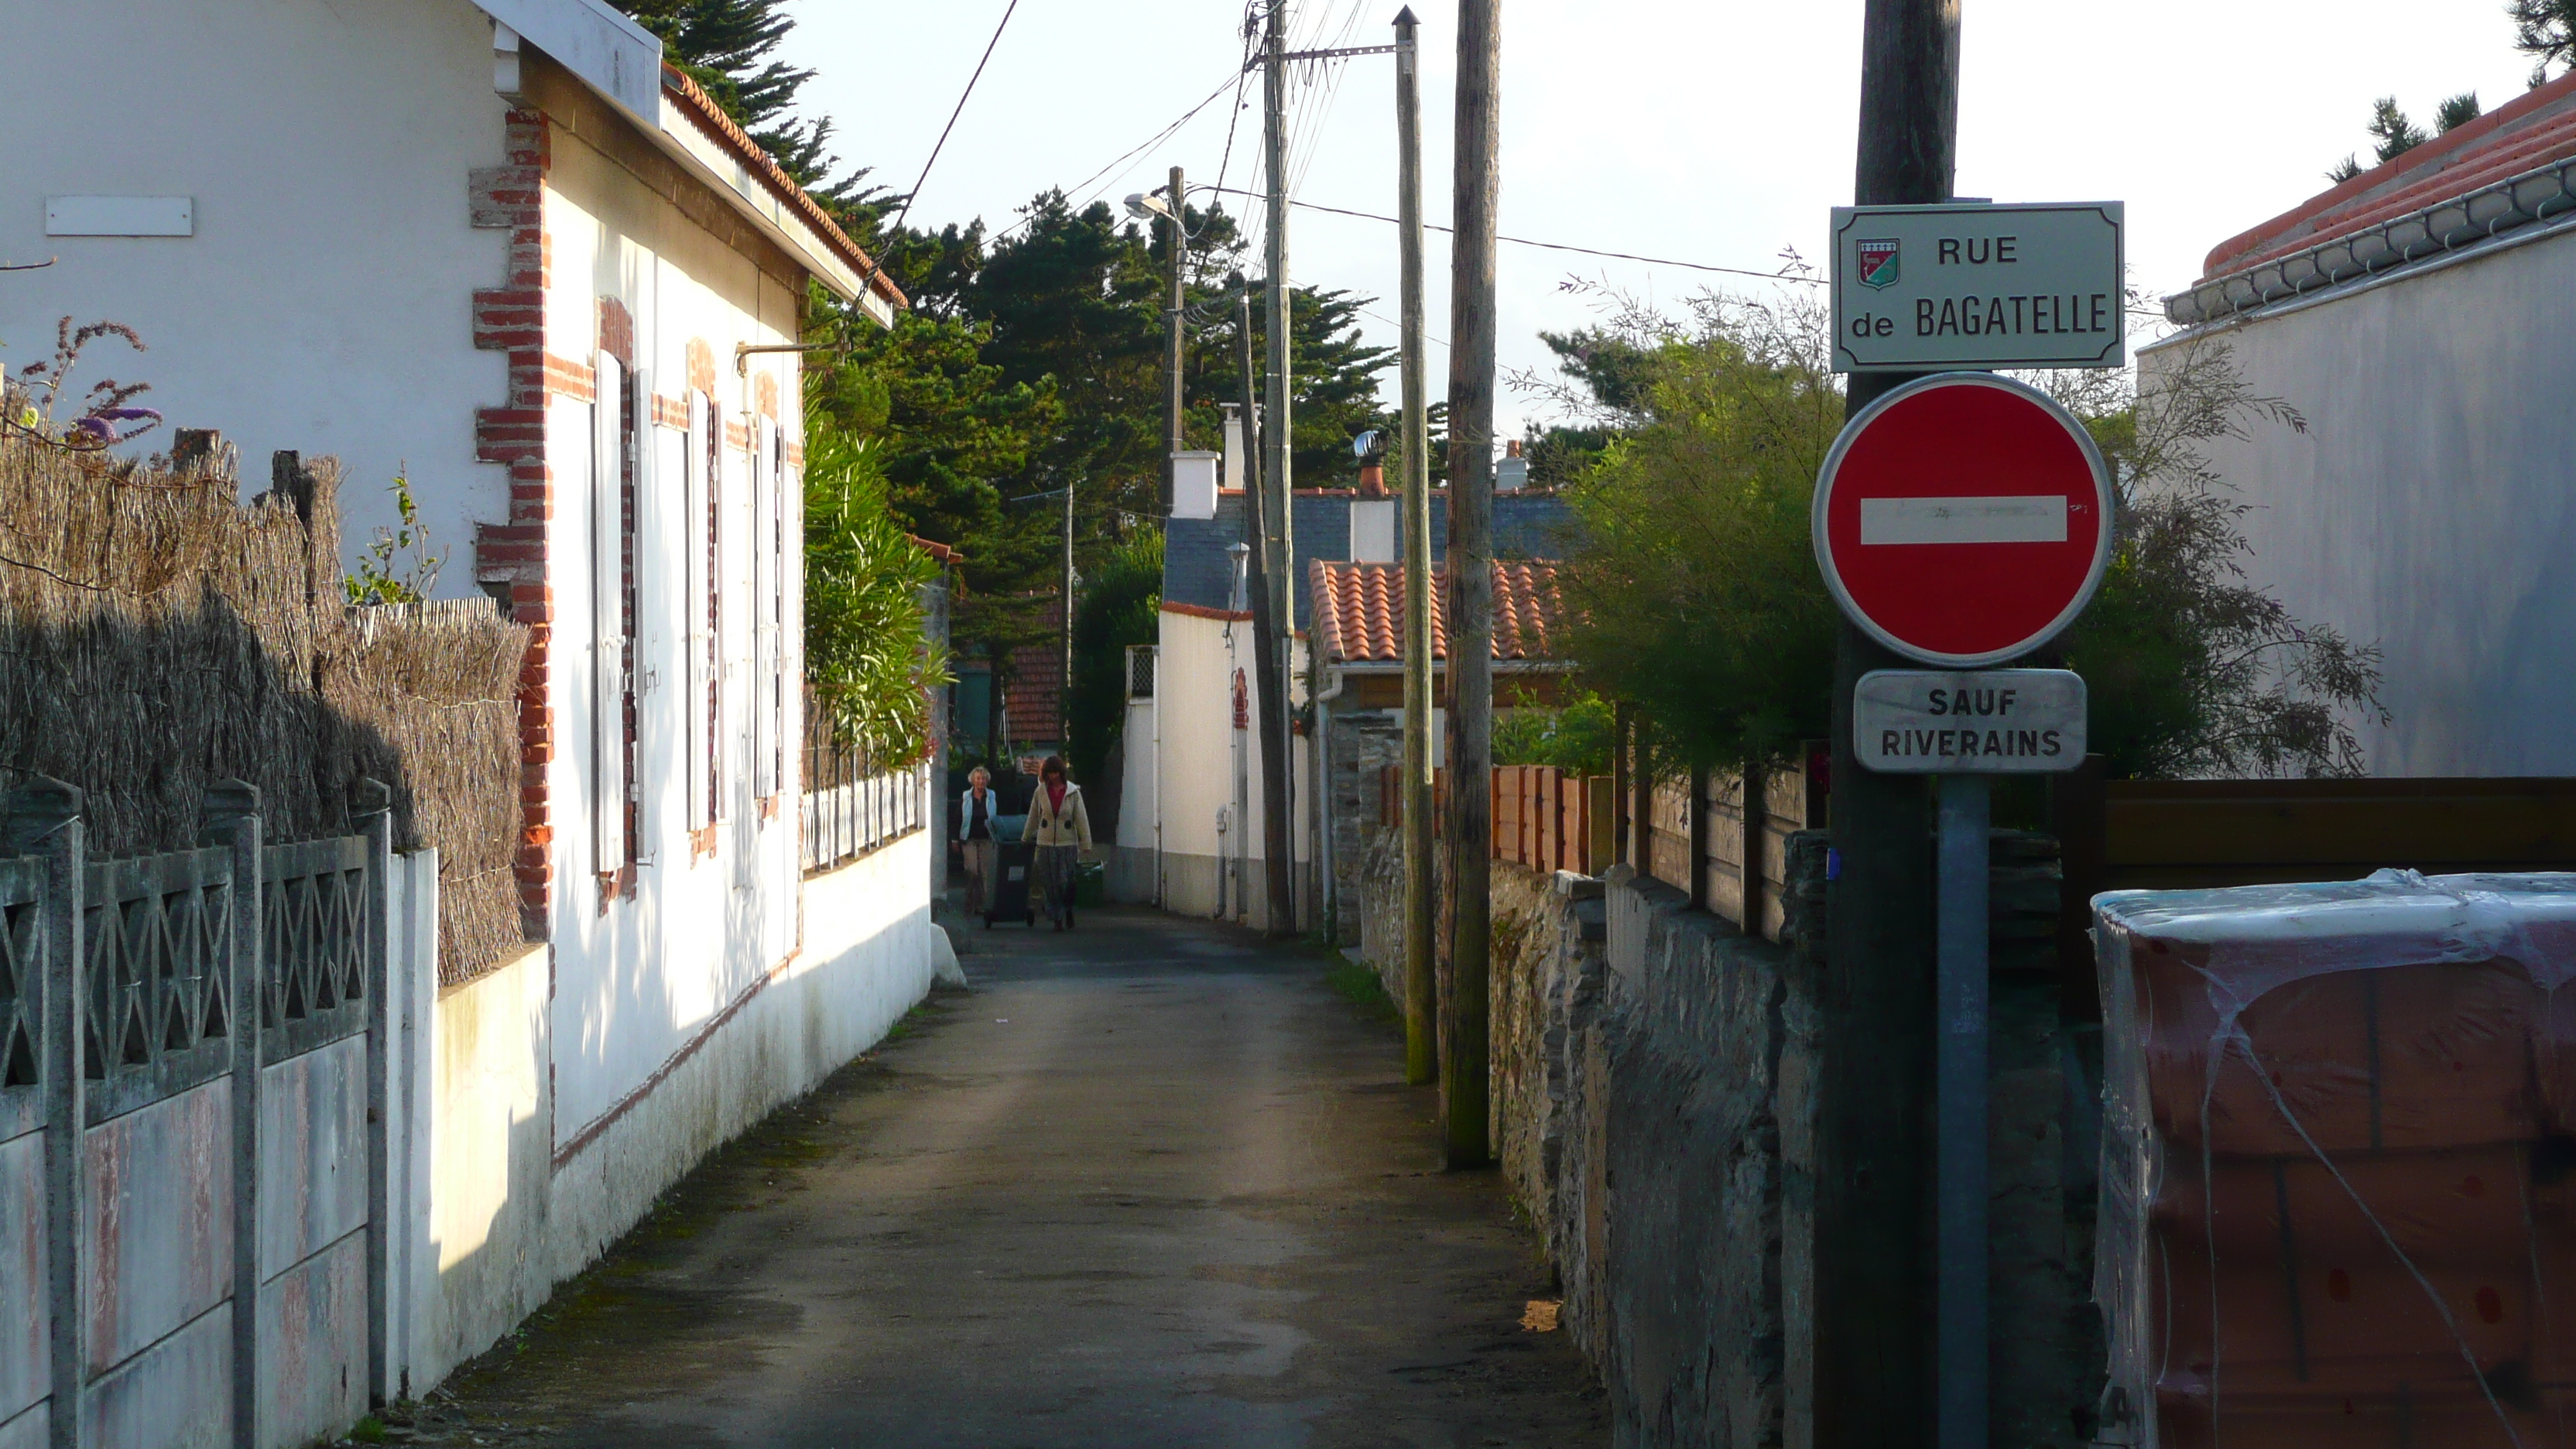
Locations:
(2421, 317)
(498, 247)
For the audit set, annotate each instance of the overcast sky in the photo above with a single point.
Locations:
(1712, 131)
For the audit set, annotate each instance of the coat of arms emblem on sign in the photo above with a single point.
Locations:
(1878, 263)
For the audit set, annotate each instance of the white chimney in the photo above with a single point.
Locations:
(1372, 530)
(1194, 485)
(1233, 444)
(1511, 475)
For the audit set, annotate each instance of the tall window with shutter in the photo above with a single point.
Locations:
(712, 706)
(611, 447)
(769, 601)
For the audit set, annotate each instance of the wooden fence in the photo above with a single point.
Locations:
(1547, 819)
(1543, 818)
(2182, 834)
(1700, 831)
(1725, 840)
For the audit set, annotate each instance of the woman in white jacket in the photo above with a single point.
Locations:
(1061, 830)
(975, 816)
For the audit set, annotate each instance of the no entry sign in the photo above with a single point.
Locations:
(1963, 519)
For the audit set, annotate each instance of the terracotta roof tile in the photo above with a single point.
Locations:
(1359, 611)
(711, 118)
(2530, 131)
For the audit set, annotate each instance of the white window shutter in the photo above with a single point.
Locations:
(791, 617)
(713, 705)
(765, 529)
(694, 537)
(608, 613)
(648, 651)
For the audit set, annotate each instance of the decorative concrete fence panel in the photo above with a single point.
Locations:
(207, 1026)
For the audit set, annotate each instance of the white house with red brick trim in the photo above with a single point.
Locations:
(501, 249)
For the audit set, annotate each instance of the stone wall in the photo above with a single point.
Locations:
(1358, 745)
(1652, 1112)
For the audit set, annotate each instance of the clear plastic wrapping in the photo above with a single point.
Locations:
(2338, 1196)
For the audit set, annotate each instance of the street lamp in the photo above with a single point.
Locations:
(1146, 205)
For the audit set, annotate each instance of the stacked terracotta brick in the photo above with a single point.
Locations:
(2340, 1163)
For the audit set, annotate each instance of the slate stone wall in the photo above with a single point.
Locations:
(1653, 1114)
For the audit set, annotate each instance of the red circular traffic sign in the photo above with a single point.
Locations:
(1963, 519)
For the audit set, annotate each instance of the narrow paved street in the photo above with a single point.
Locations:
(1148, 1183)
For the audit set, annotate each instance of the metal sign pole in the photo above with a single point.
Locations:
(1960, 1100)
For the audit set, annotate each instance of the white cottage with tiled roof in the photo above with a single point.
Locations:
(501, 249)
(2421, 317)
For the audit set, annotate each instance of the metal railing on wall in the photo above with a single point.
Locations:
(851, 806)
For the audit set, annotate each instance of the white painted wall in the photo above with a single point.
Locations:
(637, 979)
(2431, 504)
(1132, 872)
(494, 1220)
(322, 304)
(1195, 769)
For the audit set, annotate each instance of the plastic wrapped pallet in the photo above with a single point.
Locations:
(2339, 1163)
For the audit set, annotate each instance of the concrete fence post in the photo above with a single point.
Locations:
(43, 820)
(230, 820)
(371, 811)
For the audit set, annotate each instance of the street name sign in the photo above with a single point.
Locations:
(1963, 519)
(1971, 284)
(1986, 722)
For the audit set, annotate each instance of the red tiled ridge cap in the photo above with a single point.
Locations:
(2527, 132)
(711, 118)
(1358, 609)
(1202, 611)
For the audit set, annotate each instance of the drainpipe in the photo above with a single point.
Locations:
(1158, 771)
(1234, 859)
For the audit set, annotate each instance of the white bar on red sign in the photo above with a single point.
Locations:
(2034, 519)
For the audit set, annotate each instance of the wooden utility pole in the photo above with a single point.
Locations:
(1421, 881)
(1172, 344)
(1465, 1064)
(1872, 1295)
(1064, 687)
(1274, 608)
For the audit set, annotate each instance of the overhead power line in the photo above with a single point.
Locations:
(1083, 187)
(892, 233)
(942, 143)
(1555, 246)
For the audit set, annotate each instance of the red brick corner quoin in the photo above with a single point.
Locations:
(511, 318)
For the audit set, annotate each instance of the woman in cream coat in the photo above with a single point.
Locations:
(1061, 830)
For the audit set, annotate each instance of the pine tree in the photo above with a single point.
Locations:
(729, 47)
(2396, 134)
(2546, 29)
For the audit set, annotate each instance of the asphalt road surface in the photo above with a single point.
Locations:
(1150, 1182)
